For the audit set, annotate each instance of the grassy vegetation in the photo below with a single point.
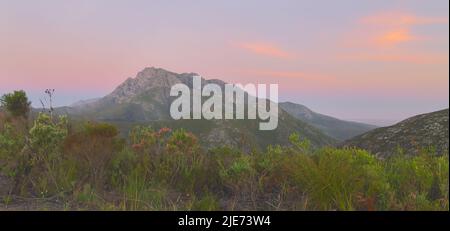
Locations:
(87, 166)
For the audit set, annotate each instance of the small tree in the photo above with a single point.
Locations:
(16, 103)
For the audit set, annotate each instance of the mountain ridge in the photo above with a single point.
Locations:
(336, 128)
(160, 78)
(428, 130)
(146, 99)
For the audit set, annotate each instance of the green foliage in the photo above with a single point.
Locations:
(235, 169)
(342, 178)
(93, 148)
(91, 167)
(301, 145)
(16, 103)
(11, 145)
(419, 178)
(182, 142)
(142, 137)
(46, 161)
(158, 160)
(207, 203)
(100, 130)
(180, 163)
(46, 136)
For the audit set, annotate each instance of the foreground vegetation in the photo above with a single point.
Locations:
(88, 166)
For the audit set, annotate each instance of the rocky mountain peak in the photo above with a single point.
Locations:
(153, 79)
(153, 72)
(300, 110)
(150, 79)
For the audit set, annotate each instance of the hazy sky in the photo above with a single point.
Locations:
(352, 59)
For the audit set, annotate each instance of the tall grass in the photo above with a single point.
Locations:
(91, 167)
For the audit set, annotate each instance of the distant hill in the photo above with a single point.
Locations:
(338, 129)
(83, 102)
(376, 122)
(146, 99)
(422, 131)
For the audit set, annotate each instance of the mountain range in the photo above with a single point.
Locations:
(338, 129)
(145, 99)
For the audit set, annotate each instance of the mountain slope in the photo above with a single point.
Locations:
(422, 131)
(146, 99)
(338, 129)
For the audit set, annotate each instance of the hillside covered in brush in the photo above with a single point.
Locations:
(426, 131)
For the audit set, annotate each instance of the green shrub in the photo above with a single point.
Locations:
(93, 148)
(46, 138)
(342, 178)
(16, 103)
(91, 167)
(11, 145)
(415, 177)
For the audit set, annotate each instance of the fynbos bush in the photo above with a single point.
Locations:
(93, 168)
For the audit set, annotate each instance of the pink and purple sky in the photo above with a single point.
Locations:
(353, 59)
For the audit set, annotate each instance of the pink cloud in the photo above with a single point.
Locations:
(401, 19)
(378, 38)
(394, 37)
(390, 29)
(397, 57)
(266, 49)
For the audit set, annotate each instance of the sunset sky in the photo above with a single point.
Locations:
(353, 59)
